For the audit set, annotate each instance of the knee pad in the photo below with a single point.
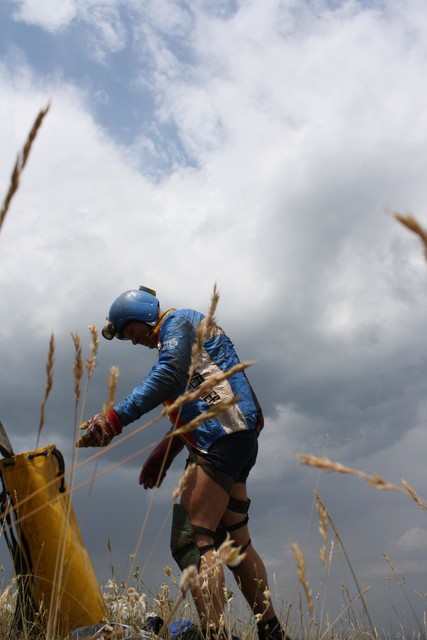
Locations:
(184, 549)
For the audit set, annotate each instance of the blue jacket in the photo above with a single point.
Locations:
(168, 379)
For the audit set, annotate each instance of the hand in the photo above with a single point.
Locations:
(159, 461)
(100, 430)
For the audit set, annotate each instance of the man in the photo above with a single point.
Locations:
(223, 447)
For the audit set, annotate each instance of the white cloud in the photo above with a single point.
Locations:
(107, 33)
(49, 14)
(415, 539)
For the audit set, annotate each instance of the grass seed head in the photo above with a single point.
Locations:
(414, 495)
(204, 330)
(413, 225)
(77, 367)
(49, 383)
(20, 163)
(94, 344)
(229, 553)
(189, 578)
(183, 481)
(323, 526)
(299, 557)
(112, 388)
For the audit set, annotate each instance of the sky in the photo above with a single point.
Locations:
(261, 147)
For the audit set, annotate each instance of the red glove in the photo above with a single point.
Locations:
(100, 431)
(159, 461)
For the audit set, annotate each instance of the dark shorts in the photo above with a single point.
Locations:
(233, 456)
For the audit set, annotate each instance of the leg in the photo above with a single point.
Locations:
(205, 502)
(251, 575)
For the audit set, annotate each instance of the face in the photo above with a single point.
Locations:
(138, 333)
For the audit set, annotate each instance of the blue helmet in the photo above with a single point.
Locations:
(139, 305)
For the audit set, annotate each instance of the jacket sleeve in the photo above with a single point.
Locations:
(167, 377)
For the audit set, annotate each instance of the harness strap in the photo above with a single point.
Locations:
(238, 525)
(239, 506)
(206, 547)
(207, 532)
(242, 550)
(245, 546)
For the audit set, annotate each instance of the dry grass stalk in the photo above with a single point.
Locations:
(401, 582)
(214, 412)
(112, 388)
(348, 609)
(323, 526)
(393, 570)
(77, 367)
(204, 330)
(299, 558)
(414, 495)
(94, 344)
(90, 364)
(20, 163)
(413, 225)
(49, 384)
(373, 480)
(205, 388)
(204, 578)
(331, 553)
(6, 598)
(183, 481)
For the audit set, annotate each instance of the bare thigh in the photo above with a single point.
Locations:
(204, 500)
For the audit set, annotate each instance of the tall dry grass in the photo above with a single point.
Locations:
(20, 164)
(373, 480)
(413, 225)
(49, 385)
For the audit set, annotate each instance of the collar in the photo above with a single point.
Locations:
(155, 333)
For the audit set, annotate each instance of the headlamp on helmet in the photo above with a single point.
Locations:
(109, 331)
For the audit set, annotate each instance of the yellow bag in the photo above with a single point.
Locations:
(45, 541)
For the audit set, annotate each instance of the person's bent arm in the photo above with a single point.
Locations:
(167, 378)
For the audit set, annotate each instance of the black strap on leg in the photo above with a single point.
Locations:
(242, 550)
(246, 546)
(207, 532)
(238, 525)
(206, 547)
(238, 506)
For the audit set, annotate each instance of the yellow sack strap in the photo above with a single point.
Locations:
(62, 580)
